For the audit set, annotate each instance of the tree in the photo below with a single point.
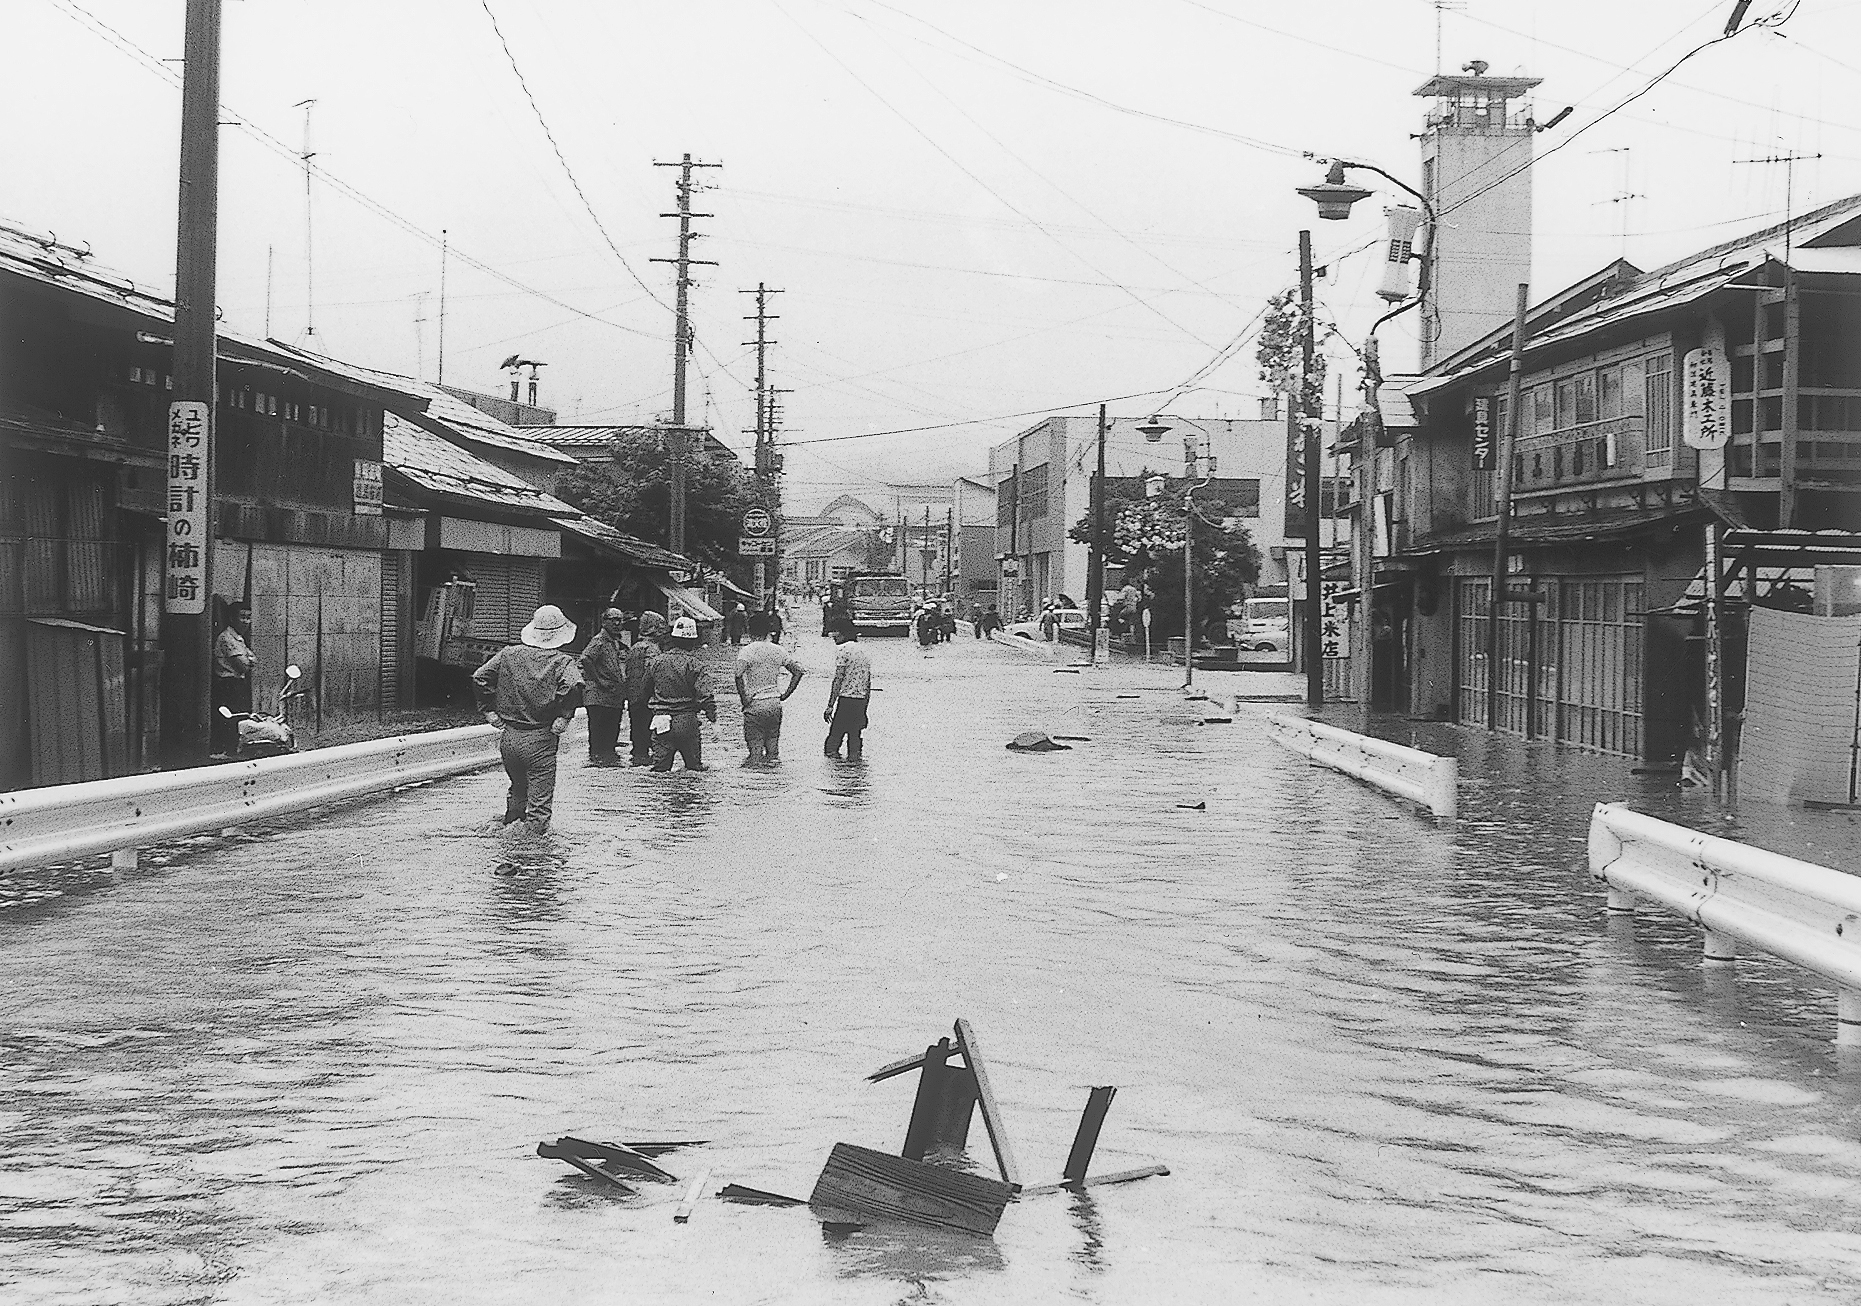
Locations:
(632, 492)
(1146, 538)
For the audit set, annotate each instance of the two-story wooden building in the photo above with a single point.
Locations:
(1610, 505)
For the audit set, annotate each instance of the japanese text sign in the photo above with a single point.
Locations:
(1482, 434)
(368, 495)
(1706, 423)
(185, 553)
(1334, 619)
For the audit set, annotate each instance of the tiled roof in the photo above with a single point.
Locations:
(600, 437)
(443, 468)
(1565, 528)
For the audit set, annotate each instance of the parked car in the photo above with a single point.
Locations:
(1064, 619)
(1264, 626)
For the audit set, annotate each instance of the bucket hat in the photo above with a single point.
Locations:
(548, 628)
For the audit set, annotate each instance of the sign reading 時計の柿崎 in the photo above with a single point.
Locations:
(185, 557)
(1706, 419)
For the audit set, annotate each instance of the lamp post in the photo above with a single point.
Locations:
(1153, 430)
(1334, 197)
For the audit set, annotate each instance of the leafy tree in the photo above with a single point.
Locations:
(632, 492)
(1146, 538)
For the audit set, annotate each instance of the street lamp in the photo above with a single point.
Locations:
(1334, 197)
(1153, 431)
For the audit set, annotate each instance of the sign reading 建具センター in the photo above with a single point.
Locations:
(184, 559)
(1482, 434)
(1706, 419)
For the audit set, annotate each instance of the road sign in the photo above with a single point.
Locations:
(756, 522)
(751, 546)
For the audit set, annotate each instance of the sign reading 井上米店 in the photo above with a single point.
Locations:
(1335, 620)
(1706, 420)
(185, 557)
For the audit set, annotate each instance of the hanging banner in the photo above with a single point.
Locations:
(1707, 415)
(1295, 480)
(1482, 434)
(185, 558)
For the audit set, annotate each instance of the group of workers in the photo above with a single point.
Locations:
(661, 685)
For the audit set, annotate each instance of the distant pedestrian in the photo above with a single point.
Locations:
(990, 623)
(847, 697)
(639, 688)
(759, 676)
(733, 623)
(604, 693)
(680, 689)
(233, 665)
(530, 692)
(930, 625)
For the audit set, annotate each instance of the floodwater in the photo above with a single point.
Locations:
(1385, 1061)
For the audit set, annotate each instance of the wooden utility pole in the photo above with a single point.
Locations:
(1095, 574)
(187, 610)
(1314, 500)
(678, 438)
(768, 462)
(1502, 534)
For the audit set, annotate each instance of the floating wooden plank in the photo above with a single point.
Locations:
(1098, 1102)
(860, 1182)
(1112, 1177)
(755, 1196)
(927, 1108)
(985, 1098)
(692, 1194)
(592, 1171)
(904, 1065)
(660, 1149)
(626, 1158)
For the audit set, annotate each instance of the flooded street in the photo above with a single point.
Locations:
(1385, 1062)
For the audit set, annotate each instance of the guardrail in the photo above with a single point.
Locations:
(1806, 914)
(1409, 773)
(1036, 648)
(119, 816)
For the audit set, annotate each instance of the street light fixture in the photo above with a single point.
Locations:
(1153, 431)
(1334, 197)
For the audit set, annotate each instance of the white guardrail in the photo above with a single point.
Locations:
(1806, 914)
(60, 822)
(1424, 778)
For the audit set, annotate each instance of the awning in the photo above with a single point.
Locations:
(725, 583)
(692, 603)
(1550, 529)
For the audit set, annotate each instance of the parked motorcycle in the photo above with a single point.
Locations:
(262, 735)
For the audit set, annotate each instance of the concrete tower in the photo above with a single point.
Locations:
(1477, 131)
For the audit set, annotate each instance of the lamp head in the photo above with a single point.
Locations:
(1333, 195)
(1153, 429)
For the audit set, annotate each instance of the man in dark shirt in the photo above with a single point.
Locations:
(530, 691)
(604, 670)
(639, 690)
(681, 688)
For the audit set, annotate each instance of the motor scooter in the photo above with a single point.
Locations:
(261, 735)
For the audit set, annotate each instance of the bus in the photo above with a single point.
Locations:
(878, 602)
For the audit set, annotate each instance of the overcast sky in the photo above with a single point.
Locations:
(975, 210)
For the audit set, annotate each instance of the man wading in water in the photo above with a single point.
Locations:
(759, 687)
(846, 698)
(681, 688)
(530, 691)
(640, 690)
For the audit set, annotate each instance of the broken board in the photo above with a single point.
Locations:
(858, 1181)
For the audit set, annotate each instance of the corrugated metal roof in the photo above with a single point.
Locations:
(631, 547)
(444, 468)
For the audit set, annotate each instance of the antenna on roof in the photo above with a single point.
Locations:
(310, 275)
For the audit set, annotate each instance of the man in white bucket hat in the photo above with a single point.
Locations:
(530, 691)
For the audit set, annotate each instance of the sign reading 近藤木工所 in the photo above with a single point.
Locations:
(184, 557)
(1707, 388)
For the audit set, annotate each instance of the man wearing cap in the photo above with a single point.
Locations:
(639, 688)
(848, 695)
(681, 688)
(530, 691)
(604, 676)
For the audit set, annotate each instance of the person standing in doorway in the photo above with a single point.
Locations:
(759, 677)
(233, 665)
(639, 688)
(680, 689)
(530, 692)
(847, 696)
(604, 676)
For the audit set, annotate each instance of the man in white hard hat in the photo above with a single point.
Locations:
(681, 688)
(530, 691)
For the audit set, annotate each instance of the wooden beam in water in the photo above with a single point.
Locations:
(1098, 1102)
(985, 1098)
(692, 1194)
(1113, 1177)
(927, 1108)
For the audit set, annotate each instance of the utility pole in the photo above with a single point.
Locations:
(1095, 575)
(681, 338)
(310, 267)
(187, 606)
(949, 547)
(1502, 542)
(768, 462)
(442, 305)
(1314, 500)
